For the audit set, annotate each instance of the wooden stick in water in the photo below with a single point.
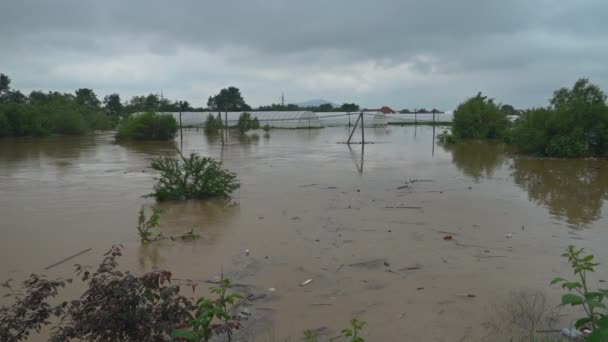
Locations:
(68, 258)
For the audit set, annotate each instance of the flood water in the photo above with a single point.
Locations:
(367, 225)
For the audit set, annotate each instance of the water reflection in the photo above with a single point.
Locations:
(149, 147)
(149, 256)
(53, 147)
(200, 216)
(249, 139)
(477, 159)
(573, 190)
(358, 163)
(212, 137)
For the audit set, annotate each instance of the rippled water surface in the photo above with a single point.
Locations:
(309, 207)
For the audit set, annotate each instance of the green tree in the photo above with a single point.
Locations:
(87, 98)
(349, 107)
(152, 103)
(326, 107)
(229, 100)
(479, 118)
(508, 109)
(574, 125)
(15, 96)
(113, 106)
(5, 83)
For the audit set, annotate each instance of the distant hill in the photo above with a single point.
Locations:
(315, 102)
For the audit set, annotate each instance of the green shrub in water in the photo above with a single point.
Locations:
(212, 124)
(246, 123)
(191, 177)
(148, 126)
(574, 125)
(145, 225)
(479, 118)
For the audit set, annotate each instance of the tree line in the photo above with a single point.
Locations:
(43, 113)
(573, 124)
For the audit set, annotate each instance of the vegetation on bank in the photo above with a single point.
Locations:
(479, 117)
(148, 126)
(42, 114)
(574, 124)
(192, 177)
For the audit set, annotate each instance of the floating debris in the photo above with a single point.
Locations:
(306, 282)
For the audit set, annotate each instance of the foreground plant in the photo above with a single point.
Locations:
(192, 177)
(579, 294)
(212, 316)
(353, 332)
(116, 306)
(30, 310)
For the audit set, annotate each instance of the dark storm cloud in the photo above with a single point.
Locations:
(373, 52)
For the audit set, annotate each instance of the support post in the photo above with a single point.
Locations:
(362, 130)
(219, 118)
(353, 131)
(181, 133)
(433, 117)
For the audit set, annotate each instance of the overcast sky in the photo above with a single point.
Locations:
(401, 53)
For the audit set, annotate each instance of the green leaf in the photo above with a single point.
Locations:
(557, 280)
(598, 335)
(581, 322)
(595, 295)
(571, 299)
(588, 258)
(594, 303)
(571, 286)
(187, 334)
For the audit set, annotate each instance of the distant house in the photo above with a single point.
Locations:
(384, 110)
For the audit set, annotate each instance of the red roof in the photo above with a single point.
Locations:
(385, 110)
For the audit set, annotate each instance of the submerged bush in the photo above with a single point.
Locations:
(479, 118)
(574, 125)
(192, 177)
(212, 124)
(246, 123)
(148, 126)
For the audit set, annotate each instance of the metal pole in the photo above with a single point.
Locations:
(415, 116)
(219, 118)
(181, 133)
(348, 119)
(353, 131)
(433, 117)
(362, 131)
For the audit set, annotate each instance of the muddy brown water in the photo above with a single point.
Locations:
(311, 208)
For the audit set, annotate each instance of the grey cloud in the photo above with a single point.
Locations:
(444, 50)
